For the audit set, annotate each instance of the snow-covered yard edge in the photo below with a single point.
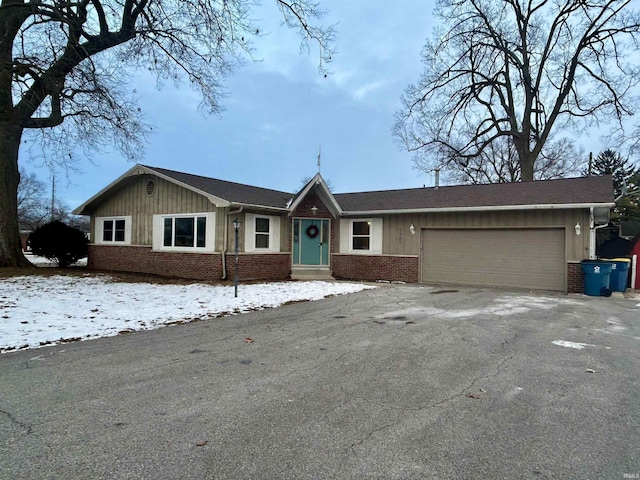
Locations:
(43, 310)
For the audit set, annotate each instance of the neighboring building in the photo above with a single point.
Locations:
(24, 237)
(635, 263)
(530, 235)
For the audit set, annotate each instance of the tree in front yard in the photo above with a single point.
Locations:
(59, 242)
(66, 70)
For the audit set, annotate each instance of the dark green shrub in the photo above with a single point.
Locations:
(57, 241)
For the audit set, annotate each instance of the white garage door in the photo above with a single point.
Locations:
(523, 258)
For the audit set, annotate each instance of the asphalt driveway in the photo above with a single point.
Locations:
(398, 382)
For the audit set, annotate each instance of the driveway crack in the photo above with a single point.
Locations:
(15, 421)
(370, 434)
(465, 390)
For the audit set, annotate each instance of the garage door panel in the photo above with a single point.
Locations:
(496, 257)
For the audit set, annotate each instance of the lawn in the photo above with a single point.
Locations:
(48, 307)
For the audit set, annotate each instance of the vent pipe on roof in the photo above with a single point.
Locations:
(437, 178)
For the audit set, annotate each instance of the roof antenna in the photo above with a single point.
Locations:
(319, 154)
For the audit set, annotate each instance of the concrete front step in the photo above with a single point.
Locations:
(311, 274)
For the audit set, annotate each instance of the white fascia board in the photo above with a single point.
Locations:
(128, 173)
(478, 209)
(260, 207)
(141, 170)
(316, 180)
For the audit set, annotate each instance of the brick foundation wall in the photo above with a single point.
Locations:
(252, 266)
(575, 278)
(196, 266)
(375, 267)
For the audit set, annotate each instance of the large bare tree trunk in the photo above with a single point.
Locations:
(10, 246)
(526, 168)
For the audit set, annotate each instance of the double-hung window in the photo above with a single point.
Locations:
(361, 235)
(262, 233)
(113, 230)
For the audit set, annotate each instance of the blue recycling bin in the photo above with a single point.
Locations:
(596, 277)
(619, 273)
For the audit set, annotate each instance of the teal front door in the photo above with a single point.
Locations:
(311, 241)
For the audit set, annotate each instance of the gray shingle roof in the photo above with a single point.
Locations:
(230, 191)
(570, 191)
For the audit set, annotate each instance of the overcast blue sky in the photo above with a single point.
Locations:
(281, 110)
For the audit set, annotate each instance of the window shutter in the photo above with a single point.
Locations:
(210, 243)
(274, 245)
(127, 230)
(249, 232)
(376, 236)
(345, 236)
(99, 231)
(157, 232)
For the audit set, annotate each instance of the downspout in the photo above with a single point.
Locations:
(592, 235)
(225, 241)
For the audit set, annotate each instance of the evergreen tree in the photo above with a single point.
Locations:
(609, 162)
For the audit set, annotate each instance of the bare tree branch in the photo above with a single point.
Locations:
(508, 69)
(66, 68)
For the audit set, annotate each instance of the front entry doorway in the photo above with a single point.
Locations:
(311, 242)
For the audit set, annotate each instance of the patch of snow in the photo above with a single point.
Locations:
(502, 307)
(45, 262)
(37, 310)
(578, 346)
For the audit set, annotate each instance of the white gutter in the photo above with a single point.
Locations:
(261, 207)
(225, 242)
(479, 209)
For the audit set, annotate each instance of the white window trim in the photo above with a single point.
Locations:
(250, 233)
(210, 231)
(99, 228)
(375, 236)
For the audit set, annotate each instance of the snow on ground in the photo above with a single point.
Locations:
(37, 310)
(45, 262)
(577, 346)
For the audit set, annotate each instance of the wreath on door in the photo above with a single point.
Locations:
(312, 231)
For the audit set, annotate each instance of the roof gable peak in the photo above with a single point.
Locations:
(325, 195)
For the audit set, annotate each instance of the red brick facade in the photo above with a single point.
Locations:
(273, 266)
(197, 266)
(575, 278)
(260, 266)
(394, 268)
